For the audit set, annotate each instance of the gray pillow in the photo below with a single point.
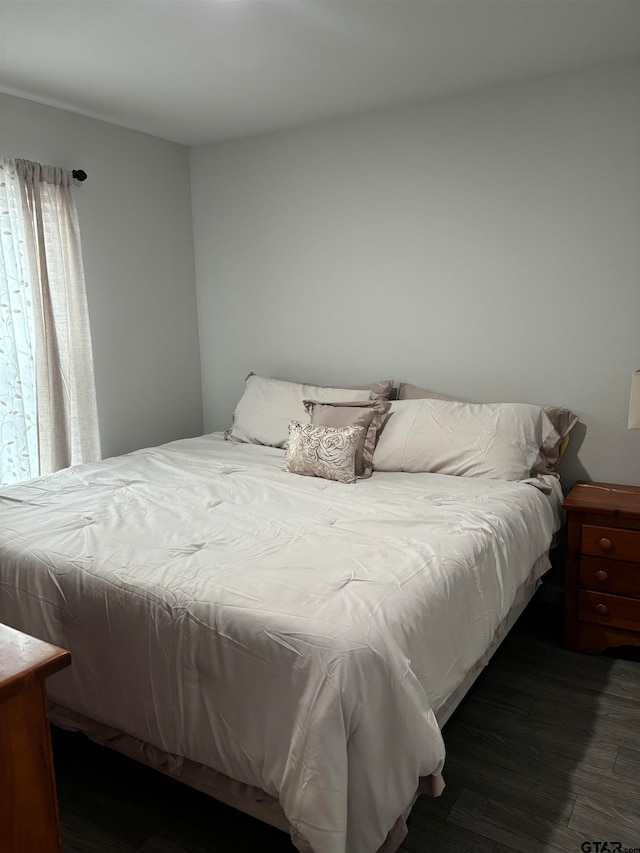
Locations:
(369, 414)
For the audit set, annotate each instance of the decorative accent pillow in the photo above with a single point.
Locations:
(370, 415)
(496, 440)
(319, 451)
(268, 406)
(555, 444)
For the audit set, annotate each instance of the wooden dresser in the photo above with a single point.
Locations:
(602, 593)
(28, 802)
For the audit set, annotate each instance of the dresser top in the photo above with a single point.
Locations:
(604, 499)
(24, 659)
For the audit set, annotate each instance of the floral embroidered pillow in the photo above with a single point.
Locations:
(320, 451)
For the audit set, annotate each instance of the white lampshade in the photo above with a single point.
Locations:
(634, 402)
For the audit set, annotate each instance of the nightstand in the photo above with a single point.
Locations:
(602, 587)
(28, 803)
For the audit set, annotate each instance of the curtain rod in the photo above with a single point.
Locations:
(79, 174)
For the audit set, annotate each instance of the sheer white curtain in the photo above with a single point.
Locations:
(67, 422)
(18, 409)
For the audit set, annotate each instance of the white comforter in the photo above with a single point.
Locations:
(293, 633)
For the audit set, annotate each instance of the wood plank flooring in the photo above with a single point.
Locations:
(543, 755)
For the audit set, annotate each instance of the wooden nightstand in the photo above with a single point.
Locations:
(602, 592)
(28, 802)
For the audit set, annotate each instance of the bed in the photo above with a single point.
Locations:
(290, 644)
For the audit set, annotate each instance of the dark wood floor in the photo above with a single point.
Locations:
(544, 755)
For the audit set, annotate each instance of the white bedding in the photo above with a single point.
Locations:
(293, 633)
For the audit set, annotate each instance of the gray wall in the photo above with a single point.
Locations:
(135, 223)
(484, 245)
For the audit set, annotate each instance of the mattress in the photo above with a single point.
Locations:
(292, 633)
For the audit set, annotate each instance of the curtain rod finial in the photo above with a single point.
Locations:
(79, 174)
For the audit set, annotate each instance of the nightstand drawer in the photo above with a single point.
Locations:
(612, 542)
(610, 610)
(613, 576)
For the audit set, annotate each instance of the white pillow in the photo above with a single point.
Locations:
(497, 440)
(268, 406)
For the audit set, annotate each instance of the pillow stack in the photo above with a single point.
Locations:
(344, 433)
(555, 440)
(328, 432)
(495, 440)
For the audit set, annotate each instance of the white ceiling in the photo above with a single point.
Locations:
(196, 71)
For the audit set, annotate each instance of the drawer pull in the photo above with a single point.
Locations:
(602, 609)
(602, 576)
(605, 543)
